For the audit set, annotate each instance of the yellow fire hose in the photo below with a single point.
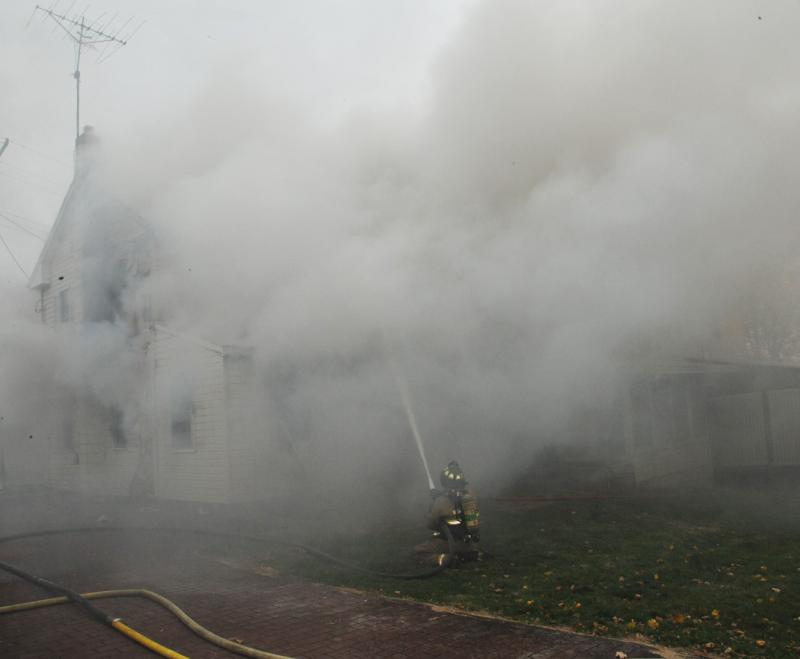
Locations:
(194, 626)
(173, 608)
(141, 639)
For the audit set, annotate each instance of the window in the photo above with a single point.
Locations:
(118, 438)
(182, 412)
(63, 306)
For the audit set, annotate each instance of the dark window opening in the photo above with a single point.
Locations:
(182, 425)
(117, 430)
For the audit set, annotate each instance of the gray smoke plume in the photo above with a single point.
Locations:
(587, 188)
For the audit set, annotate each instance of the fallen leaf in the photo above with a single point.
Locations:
(652, 623)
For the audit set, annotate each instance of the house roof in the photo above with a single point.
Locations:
(37, 276)
(78, 185)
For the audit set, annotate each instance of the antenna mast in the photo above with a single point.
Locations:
(83, 32)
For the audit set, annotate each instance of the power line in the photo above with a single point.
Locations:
(24, 218)
(21, 269)
(28, 172)
(41, 154)
(19, 226)
(36, 184)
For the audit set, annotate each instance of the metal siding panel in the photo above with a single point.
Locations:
(784, 408)
(738, 430)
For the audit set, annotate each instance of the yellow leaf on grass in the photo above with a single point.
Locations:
(678, 618)
(715, 613)
(652, 623)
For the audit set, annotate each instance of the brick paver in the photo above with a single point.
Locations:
(281, 614)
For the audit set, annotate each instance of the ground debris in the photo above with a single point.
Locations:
(265, 571)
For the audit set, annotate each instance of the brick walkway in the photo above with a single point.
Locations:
(222, 590)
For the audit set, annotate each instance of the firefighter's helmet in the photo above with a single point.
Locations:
(452, 477)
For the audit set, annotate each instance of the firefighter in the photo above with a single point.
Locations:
(455, 507)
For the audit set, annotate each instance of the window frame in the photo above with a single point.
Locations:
(182, 413)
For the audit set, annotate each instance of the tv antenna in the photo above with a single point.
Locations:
(88, 33)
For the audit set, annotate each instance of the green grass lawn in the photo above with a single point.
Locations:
(677, 573)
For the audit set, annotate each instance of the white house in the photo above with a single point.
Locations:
(182, 425)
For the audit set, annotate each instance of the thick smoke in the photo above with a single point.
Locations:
(588, 188)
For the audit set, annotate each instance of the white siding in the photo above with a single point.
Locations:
(92, 465)
(63, 262)
(784, 405)
(666, 434)
(247, 431)
(738, 432)
(201, 472)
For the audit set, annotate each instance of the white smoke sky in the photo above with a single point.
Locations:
(329, 56)
(507, 199)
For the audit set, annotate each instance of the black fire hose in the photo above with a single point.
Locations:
(97, 614)
(121, 627)
(92, 610)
